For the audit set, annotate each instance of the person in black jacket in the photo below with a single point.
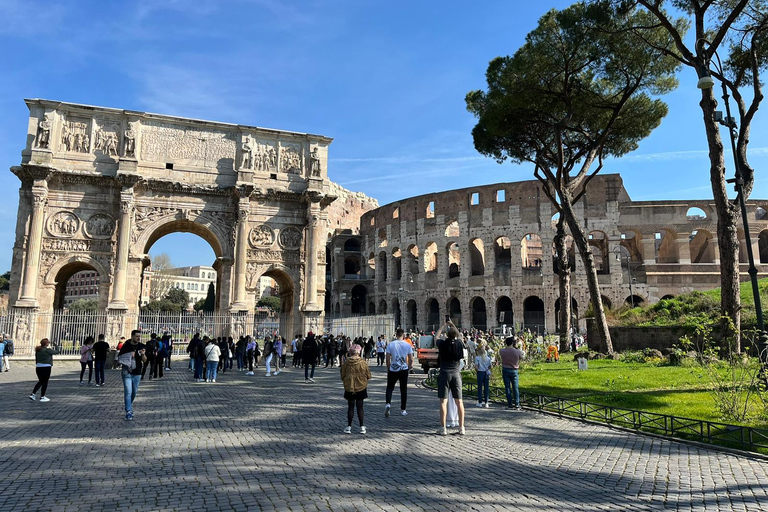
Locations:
(309, 354)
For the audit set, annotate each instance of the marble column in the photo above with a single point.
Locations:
(123, 247)
(241, 256)
(34, 245)
(310, 270)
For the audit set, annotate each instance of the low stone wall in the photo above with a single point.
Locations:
(637, 338)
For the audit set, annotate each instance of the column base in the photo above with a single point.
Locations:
(238, 307)
(117, 304)
(26, 302)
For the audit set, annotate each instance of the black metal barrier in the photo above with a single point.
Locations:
(723, 434)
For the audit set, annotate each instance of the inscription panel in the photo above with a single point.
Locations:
(166, 142)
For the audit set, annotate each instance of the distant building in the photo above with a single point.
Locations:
(82, 285)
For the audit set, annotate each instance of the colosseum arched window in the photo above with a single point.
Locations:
(454, 260)
(504, 311)
(433, 314)
(453, 307)
(397, 264)
(452, 230)
(701, 247)
(479, 318)
(666, 246)
(531, 251)
(477, 257)
(598, 243)
(430, 257)
(381, 274)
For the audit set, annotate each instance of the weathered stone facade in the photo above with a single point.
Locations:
(99, 186)
(484, 254)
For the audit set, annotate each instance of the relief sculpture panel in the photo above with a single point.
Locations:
(261, 236)
(100, 225)
(291, 158)
(265, 156)
(165, 142)
(63, 224)
(107, 136)
(290, 238)
(75, 135)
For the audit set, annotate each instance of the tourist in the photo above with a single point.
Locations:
(450, 352)
(43, 366)
(370, 346)
(230, 351)
(355, 375)
(381, 348)
(151, 352)
(510, 366)
(7, 351)
(297, 357)
(310, 350)
(86, 360)
(256, 354)
(483, 368)
(330, 352)
(399, 364)
(198, 354)
(162, 353)
(120, 344)
(269, 349)
(223, 345)
(212, 358)
(2, 352)
(250, 353)
(240, 349)
(133, 358)
(283, 352)
(100, 352)
(168, 341)
(294, 350)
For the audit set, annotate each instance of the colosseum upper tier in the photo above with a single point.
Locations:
(484, 255)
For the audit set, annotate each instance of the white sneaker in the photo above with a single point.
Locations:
(33, 397)
(487, 405)
(403, 413)
(442, 432)
(45, 399)
(462, 431)
(82, 383)
(249, 373)
(214, 380)
(311, 380)
(347, 430)
(479, 404)
(363, 430)
(269, 375)
(386, 411)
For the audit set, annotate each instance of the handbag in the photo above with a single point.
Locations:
(128, 360)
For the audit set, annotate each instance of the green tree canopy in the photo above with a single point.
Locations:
(177, 296)
(84, 305)
(273, 303)
(581, 88)
(210, 299)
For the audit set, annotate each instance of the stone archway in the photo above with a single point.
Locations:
(259, 197)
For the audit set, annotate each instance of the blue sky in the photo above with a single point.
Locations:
(386, 80)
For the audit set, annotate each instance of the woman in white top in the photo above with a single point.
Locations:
(212, 353)
(483, 367)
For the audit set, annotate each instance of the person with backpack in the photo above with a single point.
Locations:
(450, 352)
(151, 352)
(7, 352)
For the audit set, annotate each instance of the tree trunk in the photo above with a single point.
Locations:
(580, 239)
(564, 275)
(727, 219)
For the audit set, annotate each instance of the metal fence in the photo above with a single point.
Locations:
(67, 330)
(722, 434)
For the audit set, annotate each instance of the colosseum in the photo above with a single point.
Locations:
(484, 255)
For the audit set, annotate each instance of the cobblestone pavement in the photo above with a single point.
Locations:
(257, 443)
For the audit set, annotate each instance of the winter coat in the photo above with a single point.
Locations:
(355, 374)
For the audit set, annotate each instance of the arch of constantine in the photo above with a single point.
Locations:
(484, 255)
(100, 186)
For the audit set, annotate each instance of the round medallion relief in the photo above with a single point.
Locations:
(63, 224)
(100, 225)
(290, 238)
(261, 236)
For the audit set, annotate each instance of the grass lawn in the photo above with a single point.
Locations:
(673, 390)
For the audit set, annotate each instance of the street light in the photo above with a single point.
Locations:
(619, 258)
(707, 82)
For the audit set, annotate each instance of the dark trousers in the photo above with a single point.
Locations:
(43, 376)
(100, 371)
(249, 356)
(199, 368)
(150, 364)
(380, 358)
(306, 370)
(392, 378)
(158, 367)
(168, 359)
(89, 364)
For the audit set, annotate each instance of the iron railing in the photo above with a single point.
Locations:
(710, 432)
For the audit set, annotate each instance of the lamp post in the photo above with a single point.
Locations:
(620, 258)
(706, 82)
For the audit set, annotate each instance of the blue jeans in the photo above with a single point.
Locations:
(306, 370)
(199, 369)
(100, 371)
(482, 387)
(130, 389)
(511, 380)
(240, 360)
(212, 368)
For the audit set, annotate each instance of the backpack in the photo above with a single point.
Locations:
(8, 348)
(161, 349)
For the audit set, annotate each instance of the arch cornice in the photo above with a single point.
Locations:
(50, 276)
(215, 227)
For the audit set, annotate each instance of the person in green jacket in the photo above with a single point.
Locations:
(43, 365)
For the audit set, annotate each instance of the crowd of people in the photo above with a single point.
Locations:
(210, 356)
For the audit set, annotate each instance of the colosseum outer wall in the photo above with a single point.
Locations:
(484, 254)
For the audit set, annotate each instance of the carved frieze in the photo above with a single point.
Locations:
(75, 135)
(291, 158)
(107, 136)
(261, 236)
(100, 225)
(146, 215)
(290, 238)
(47, 260)
(63, 224)
(271, 256)
(70, 245)
(166, 142)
